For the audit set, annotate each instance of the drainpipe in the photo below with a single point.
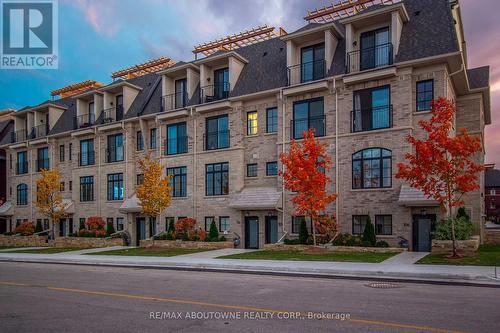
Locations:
(125, 142)
(195, 162)
(336, 150)
(98, 172)
(283, 201)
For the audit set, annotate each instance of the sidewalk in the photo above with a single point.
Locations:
(399, 267)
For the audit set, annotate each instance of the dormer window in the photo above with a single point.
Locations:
(180, 93)
(221, 83)
(312, 62)
(376, 49)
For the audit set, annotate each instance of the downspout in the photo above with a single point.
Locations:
(125, 143)
(195, 163)
(98, 172)
(283, 133)
(336, 150)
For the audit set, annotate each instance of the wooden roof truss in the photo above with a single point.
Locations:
(76, 88)
(343, 9)
(151, 66)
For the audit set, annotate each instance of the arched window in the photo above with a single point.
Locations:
(372, 168)
(22, 194)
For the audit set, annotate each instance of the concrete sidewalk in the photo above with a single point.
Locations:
(399, 268)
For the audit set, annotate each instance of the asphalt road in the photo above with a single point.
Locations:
(69, 298)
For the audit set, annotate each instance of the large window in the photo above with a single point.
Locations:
(152, 138)
(119, 224)
(272, 168)
(217, 179)
(115, 149)
(383, 224)
(140, 141)
(425, 95)
(217, 132)
(208, 222)
(115, 186)
(42, 161)
(358, 224)
(22, 162)
(178, 182)
(87, 155)
(272, 120)
(297, 220)
(252, 170)
(61, 153)
(372, 168)
(312, 62)
(221, 83)
(252, 124)
(224, 223)
(308, 115)
(176, 139)
(376, 49)
(22, 194)
(372, 109)
(87, 188)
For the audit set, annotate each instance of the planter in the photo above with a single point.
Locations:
(176, 244)
(23, 241)
(87, 242)
(312, 248)
(467, 247)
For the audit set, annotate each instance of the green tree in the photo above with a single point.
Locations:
(303, 233)
(110, 229)
(462, 213)
(213, 234)
(38, 227)
(369, 238)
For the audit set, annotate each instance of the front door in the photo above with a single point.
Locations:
(140, 229)
(251, 232)
(271, 229)
(3, 226)
(62, 227)
(422, 227)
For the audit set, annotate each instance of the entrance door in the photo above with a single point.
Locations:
(140, 229)
(422, 227)
(3, 226)
(251, 232)
(271, 229)
(62, 227)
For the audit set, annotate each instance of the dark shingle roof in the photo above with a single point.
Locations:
(307, 27)
(492, 178)
(479, 77)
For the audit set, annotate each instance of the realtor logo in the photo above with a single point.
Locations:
(29, 34)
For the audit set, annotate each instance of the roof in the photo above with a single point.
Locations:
(492, 178)
(412, 197)
(479, 77)
(256, 198)
(6, 209)
(130, 205)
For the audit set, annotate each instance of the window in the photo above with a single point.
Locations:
(308, 115)
(115, 186)
(252, 123)
(178, 182)
(372, 168)
(208, 222)
(217, 132)
(493, 205)
(252, 170)
(224, 223)
(61, 186)
(71, 185)
(140, 179)
(22, 194)
(493, 192)
(221, 83)
(358, 224)
(383, 224)
(42, 159)
(119, 224)
(82, 222)
(114, 151)
(22, 162)
(272, 120)
(45, 224)
(372, 109)
(87, 155)
(109, 221)
(61, 153)
(10, 161)
(297, 220)
(70, 151)
(169, 220)
(140, 141)
(176, 139)
(87, 188)
(180, 93)
(312, 63)
(375, 49)
(152, 138)
(217, 179)
(425, 94)
(272, 168)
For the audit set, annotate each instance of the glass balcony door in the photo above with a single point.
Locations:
(375, 49)
(221, 83)
(180, 93)
(372, 109)
(312, 63)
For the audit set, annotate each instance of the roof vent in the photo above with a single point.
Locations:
(417, 12)
(264, 54)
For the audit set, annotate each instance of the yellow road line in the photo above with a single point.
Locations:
(233, 307)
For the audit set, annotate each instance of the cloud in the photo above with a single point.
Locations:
(101, 15)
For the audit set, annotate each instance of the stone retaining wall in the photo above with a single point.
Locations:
(174, 244)
(87, 242)
(467, 247)
(283, 247)
(23, 241)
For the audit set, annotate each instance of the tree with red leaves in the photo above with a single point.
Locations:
(306, 165)
(442, 165)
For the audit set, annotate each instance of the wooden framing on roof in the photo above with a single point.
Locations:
(151, 66)
(76, 88)
(343, 9)
(238, 40)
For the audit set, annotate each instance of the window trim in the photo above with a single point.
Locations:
(249, 166)
(308, 224)
(213, 179)
(267, 169)
(207, 132)
(251, 121)
(183, 182)
(274, 125)
(139, 141)
(207, 227)
(308, 101)
(22, 194)
(228, 224)
(113, 181)
(152, 138)
(383, 226)
(178, 140)
(381, 170)
(425, 91)
(61, 153)
(87, 186)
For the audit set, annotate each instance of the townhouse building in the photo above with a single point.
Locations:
(219, 123)
(492, 193)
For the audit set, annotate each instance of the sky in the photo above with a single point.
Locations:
(97, 37)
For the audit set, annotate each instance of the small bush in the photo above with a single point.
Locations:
(462, 213)
(25, 229)
(202, 235)
(463, 229)
(82, 225)
(38, 227)
(222, 239)
(369, 238)
(184, 225)
(213, 234)
(347, 240)
(381, 244)
(110, 229)
(303, 233)
(95, 223)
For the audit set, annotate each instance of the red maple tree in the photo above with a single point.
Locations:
(442, 165)
(306, 165)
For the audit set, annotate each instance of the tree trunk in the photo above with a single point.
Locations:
(453, 238)
(314, 230)
(52, 230)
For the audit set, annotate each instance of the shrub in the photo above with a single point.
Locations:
(82, 225)
(95, 223)
(25, 228)
(213, 234)
(38, 227)
(184, 225)
(462, 213)
(381, 244)
(303, 233)
(287, 241)
(463, 229)
(202, 235)
(110, 229)
(222, 239)
(347, 240)
(369, 234)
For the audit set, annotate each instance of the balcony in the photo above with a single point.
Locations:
(369, 58)
(216, 140)
(214, 92)
(39, 131)
(177, 145)
(298, 126)
(371, 119)
(21, 168)
(19, 136)
(114, 155)
(111, 114)
(306, 72)
(42, 163)
(83, 121)
(174, 101)
(87, 158)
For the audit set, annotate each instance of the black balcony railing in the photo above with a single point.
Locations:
(299, 126)
(177, 145)
(84, 120)
(21, 168)
(42, 163)
(174, 101)
(19, 136)
(87, 158)
(307, 71)
(111, 114)
(371, 119)
(214, 92)
(369, 58)
(39, 131)
(216, 140)
(115, 155)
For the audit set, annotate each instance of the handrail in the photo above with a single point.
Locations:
(41, 232)
(306, 72)
(369, 58)
(214, 92)
(282, 237)
(115, 234)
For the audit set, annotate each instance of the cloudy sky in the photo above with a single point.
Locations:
(98, 37)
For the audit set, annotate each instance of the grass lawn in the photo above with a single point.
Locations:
(304, 256)
(487, 255)
(149, 252)
(50, 250)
